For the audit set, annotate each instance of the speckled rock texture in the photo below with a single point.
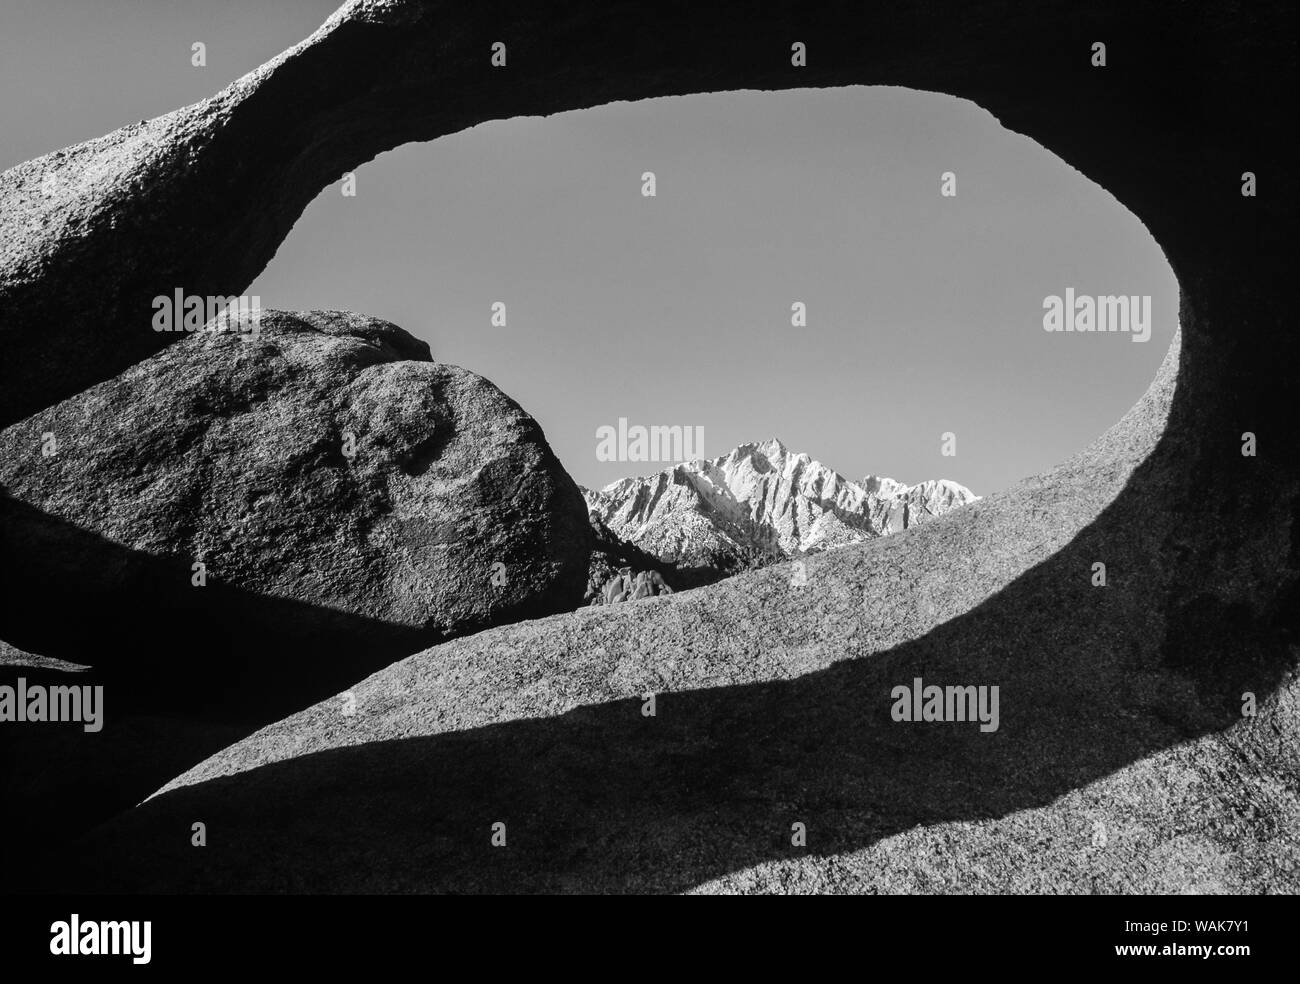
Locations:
(1123, 761)
(1114, 769)
(350, 502)
(322, 465)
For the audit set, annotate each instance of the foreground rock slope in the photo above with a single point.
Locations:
(773, 707)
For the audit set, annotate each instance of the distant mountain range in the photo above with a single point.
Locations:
(759, 503)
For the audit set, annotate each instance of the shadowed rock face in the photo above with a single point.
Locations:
(1120, 706)
(351, 501)
(322, 461)
(773, 707)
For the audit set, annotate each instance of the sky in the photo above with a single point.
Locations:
(924, 312)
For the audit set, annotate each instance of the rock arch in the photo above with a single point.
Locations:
(1199, 540)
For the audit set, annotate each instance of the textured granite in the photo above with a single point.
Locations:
(1122, 762)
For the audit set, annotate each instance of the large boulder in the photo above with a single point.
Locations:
(348, 500)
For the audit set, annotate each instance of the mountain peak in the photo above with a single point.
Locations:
(762, 497)
(771, 448)
(880, 485)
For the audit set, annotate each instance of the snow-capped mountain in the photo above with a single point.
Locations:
(899, 506)
(761, 500)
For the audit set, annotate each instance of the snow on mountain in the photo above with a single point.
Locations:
(761, 500)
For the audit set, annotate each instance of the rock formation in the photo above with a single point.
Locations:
(625, 585)
(612, 559)
(316, 493)
(1124, 703)
(773, 707)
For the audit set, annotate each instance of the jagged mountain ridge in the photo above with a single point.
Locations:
(761, 500)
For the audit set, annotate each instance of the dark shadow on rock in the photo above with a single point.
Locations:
(215, 646)
(186, 670)
(605, 799)
(601, 798)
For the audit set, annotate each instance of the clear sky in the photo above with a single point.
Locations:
(924, 312)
